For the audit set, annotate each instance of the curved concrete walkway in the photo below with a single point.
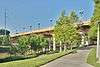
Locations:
(73, 60)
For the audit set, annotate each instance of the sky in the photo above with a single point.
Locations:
(24, 13)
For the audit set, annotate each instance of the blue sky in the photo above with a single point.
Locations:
(23, 13)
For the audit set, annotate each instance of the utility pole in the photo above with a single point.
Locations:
(5, 21)
(5, 16)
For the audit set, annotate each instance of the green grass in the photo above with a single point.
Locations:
(34, 62)
(92, 58)
(97, 64)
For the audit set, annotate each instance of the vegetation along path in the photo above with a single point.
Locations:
(73, 60)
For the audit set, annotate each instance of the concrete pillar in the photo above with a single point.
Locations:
(86, 43)
(65, 47)
(98, 40)
(49, 45)
(60, 46)
(43, 49)
(83, 40)
(54, 43)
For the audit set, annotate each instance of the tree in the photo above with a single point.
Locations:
(73, 16)
(58, 30)
(43, 42)
(37, 42)
(2, 32)
(5, 40)
(96, 15)
(1, 39)
(66, 31)
(23, 44)
(33, 43)
(93, 31)
(94, 19)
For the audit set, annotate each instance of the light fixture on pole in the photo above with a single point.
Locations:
(30, 28)
(51, 22)
(38, 25)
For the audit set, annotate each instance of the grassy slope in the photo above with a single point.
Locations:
(33, 62)
(92, 58)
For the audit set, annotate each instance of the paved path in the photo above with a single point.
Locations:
(73, 60)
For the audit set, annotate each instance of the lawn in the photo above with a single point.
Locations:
(34, 62)
(92, 58)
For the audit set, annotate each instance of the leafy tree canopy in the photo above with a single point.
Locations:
(65, 29)
(96, 17)
(2, 32)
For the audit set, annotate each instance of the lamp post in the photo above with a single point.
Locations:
(49, 39)
(30, 28)
(98, 39)
(5, 21)
(81, 15)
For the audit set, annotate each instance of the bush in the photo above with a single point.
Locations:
(11, 58)
(15, 58)
(4, 49)
(92, 57)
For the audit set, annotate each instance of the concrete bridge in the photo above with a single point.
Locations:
(48, 33)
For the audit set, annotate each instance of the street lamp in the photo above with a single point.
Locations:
(98, 39)
(30, 28)
(51, 22)
(36, 20)
(38, 25)
(24, 29)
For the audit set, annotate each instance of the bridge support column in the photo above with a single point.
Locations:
(82, 42)
(49, 44)
(82, 39)
(60, 46)
(54, 43)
